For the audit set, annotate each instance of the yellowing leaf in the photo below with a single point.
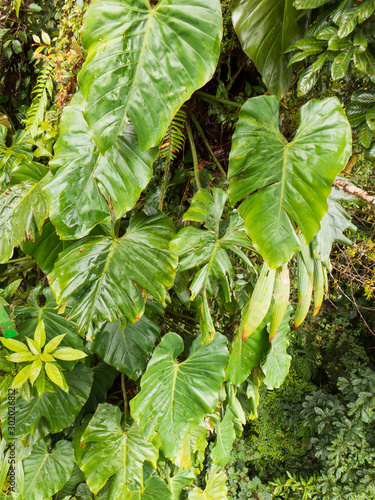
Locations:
(14, 345)
(40, 334)
(35, 370)
(20, 357)
(52, 344)
(21, 377)
(56, 376)
(68, 354)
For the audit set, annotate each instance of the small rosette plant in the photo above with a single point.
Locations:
(41, 359)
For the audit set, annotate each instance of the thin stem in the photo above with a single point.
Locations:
(208, 147)
(21, 259)
(218, 99)
(194, 154)
(125, 398)
(164, 184)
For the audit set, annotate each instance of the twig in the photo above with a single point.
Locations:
(195, 157)
(125, 398)
(356, 191)
(208, 147)
(226, 102)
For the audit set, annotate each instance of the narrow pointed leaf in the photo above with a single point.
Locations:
(281, 293)
(143, 62)
(14, 345)
(260, 301)
(68, 354)
(305, 279)
(40, 334)
(175, 397)
(318, 286)
(288, 183)
(88, 187)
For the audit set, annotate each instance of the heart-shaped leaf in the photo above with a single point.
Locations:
(91, 269)
(288, 182)
(111, 451)
(143, 62)
(88, 187)
(174, 396)
(127, 349)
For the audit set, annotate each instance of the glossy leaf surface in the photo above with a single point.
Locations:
(88, 187)
(174, 396)
(91, 269)
(143, 62)
(23, 209)
(47, 472)
(127, 349)
(266, 28)
(215, 486)
(109, 451)
(225, 436)
(288, 183)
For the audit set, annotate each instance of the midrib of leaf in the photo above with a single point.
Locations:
(283, 181)
(22, 198)
(99, 282)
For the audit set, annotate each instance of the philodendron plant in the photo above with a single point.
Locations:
(113, 269)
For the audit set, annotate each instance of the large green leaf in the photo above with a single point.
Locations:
(47, 472)
(248, 353)
(174, 396)
(332, 228)
(215, 486)
(288, 183)
(59, 408)
(105, 275)
(110, 451)
(127, 349)
(179, 481)
(266, 29)
(88, 187)
(277, 364)
(23, 209)
(143, 62)
(191, 453)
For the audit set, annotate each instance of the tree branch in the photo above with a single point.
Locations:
(356, 191)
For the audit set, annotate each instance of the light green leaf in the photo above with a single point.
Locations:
(40, 334)
(191, 452)
(22, 376)
(68, 354)
(266, 30)
(89, 188)
(16, 6)
(126, 349)
(20, 357)
(121, 453)
(56, 376)
(309, 4)
(215, 486)
(91, 269)
(284, 188)
(340, 64)
(47, 472)
(23, 210)
(276, 366)
(53, 344)
(225, 436)
(35, 370)
(174, 396)
(143, 62)
(14, 345)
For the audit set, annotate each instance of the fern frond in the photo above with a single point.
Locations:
(43, 93)
(174, 138)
